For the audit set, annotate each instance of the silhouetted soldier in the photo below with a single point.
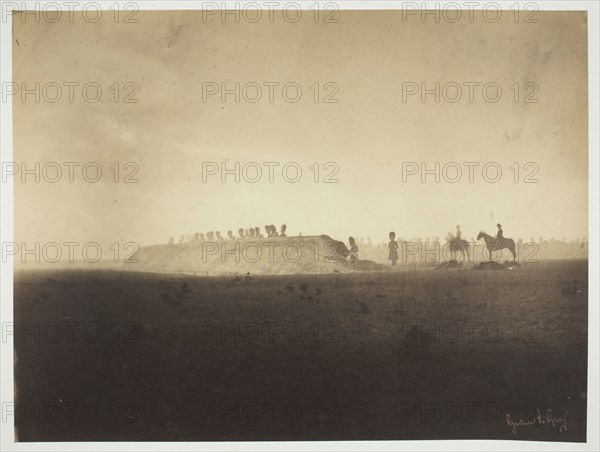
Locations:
(353, 249)
(219, 238)
(274, 231)
(241, 233)
(456, 244)
(250, 233)
(393, 246)
(268, 230)
(202, 238)
(257, 232)
(499, 236)
(230, 235)
(283, 228)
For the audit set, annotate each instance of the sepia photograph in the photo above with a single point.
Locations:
(299, 224)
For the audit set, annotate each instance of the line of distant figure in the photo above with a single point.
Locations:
(249, 233)
(350, 253)
(375, 251)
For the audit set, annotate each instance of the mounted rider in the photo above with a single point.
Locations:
(457, 243)
(499, 236)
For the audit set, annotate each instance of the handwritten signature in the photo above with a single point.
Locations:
(539, 419)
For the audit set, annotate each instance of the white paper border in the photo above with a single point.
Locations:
(7, 233)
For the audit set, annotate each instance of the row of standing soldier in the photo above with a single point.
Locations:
(271, 231)
(250, 233)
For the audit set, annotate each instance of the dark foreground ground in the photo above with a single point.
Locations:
(104, 355)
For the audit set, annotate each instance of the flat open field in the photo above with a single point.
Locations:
(108, 355)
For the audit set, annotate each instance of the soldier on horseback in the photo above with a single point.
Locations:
(498, 243)
(456, 244)
(499, 237)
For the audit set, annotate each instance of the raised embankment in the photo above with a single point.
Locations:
(262, 256)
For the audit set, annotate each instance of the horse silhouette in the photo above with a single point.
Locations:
(455, 244)
(493, 244)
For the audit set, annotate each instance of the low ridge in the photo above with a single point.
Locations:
(266, 256)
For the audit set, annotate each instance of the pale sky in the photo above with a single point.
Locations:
(368, 133)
